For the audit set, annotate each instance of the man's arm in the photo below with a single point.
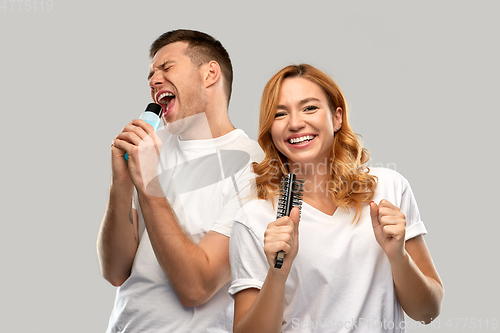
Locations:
(117, 241)
(195, 271)
(118, 235)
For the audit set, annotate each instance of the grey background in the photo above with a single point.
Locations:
(421, 79)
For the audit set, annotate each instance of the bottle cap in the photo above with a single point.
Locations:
(155, 108)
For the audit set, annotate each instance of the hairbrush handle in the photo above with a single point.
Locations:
(279, 259)
(291, 192)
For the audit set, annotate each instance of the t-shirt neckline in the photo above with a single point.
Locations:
(321, 214)
(210, 143)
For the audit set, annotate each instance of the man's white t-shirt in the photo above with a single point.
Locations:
(341, 279)
(206, 183)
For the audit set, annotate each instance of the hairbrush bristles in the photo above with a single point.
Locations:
(291, 192)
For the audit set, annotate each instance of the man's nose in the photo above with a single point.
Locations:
(156, 79)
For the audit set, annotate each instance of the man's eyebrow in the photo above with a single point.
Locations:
(150, 74)
(162, 65)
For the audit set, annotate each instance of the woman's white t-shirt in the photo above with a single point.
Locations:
(341, 279)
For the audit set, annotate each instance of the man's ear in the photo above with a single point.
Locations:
(212, 73)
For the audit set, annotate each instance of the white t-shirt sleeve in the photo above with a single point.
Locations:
(414, 225)
(408, 206)
(240, 188)
(395, 188)
(249, 265)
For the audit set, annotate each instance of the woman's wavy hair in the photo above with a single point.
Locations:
(350, 184)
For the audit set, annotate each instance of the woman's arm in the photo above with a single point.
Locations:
(418, 286)
(262, 310)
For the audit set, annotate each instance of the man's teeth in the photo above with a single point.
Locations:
(162, 96)
(301, 139)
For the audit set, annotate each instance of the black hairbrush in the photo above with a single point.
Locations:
(291, 192)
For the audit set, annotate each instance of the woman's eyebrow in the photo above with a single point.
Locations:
(309, 99)
(304, 101)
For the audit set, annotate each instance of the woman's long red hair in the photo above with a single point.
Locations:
(349, 184)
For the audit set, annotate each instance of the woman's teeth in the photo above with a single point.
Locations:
(301, 139)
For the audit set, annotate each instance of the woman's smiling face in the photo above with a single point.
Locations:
(304, 123)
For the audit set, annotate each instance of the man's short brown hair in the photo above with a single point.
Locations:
(202, 48)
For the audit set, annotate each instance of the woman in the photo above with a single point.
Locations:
(362, 258)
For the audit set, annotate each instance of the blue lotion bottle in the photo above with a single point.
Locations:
(152, 116)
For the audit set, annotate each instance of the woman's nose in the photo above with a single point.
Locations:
(296, 121)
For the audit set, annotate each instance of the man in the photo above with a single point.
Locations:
(169, 253)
